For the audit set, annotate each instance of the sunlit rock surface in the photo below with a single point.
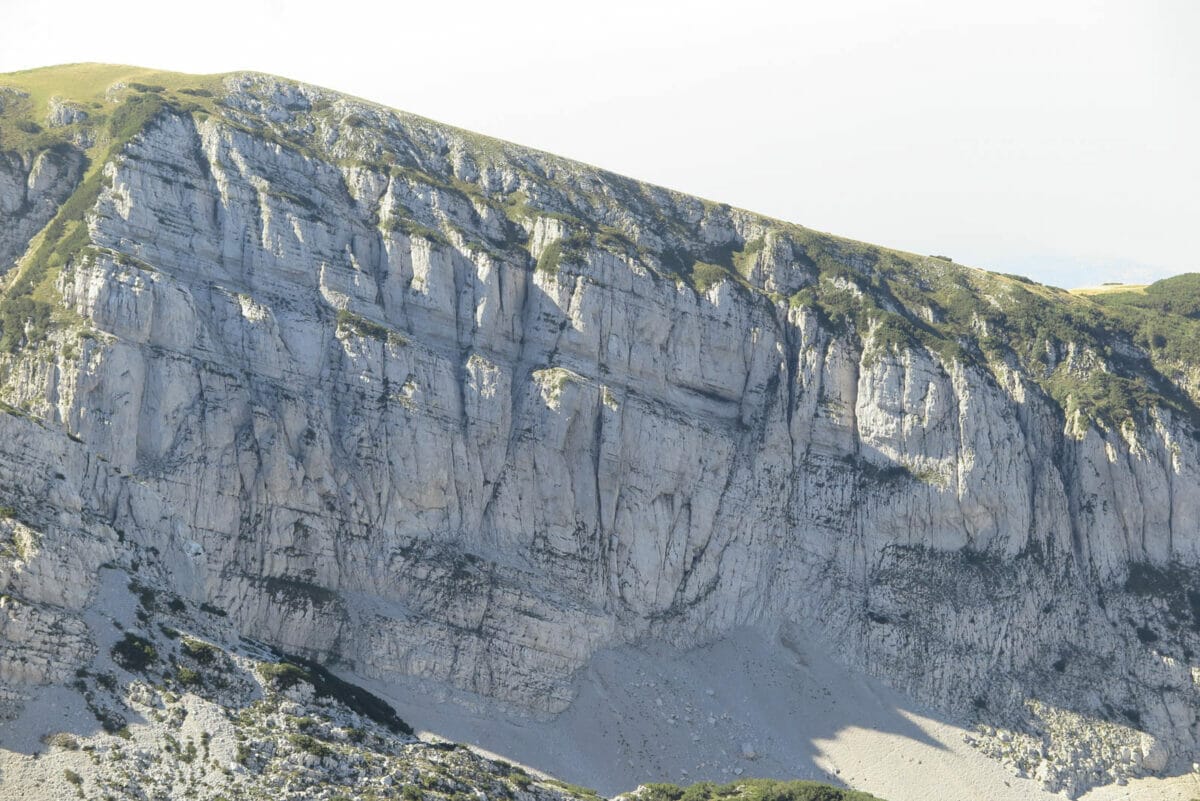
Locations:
(409, 401)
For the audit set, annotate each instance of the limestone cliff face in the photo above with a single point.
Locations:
(410, 401)
(31, 190)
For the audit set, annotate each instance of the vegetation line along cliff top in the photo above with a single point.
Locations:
(1103, 357)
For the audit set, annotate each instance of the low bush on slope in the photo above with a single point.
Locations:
(751, 790)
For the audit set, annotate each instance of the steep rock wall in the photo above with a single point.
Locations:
(378, 421)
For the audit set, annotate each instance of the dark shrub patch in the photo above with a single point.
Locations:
(752, 790)
(283, 675)
(1147, 634)
(188, 677)
(213, 610)
(310, 744)
(134, 653)
(146, 596)
(199, 650)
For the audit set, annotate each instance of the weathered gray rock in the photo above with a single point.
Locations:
(62, 113)
(31, 190)
(343, 396)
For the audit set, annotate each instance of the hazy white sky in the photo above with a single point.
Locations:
(1053, 139)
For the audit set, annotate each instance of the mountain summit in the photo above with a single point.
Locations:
(306, 395)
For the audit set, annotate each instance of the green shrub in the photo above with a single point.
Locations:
(283, 675)
(705, 275)
(134, 653)
(188, 677)
(202, 652)
(309, 744)
(147, 598)
(22, 319)
(216, 611)
(63, 740)
(72, 777)
(361, 325)
(550, 258)
(576, 790)
(305, 724)
(412, 228)
(752, 790)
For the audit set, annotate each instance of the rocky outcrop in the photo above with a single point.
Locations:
(410, 401)
(32, 187)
